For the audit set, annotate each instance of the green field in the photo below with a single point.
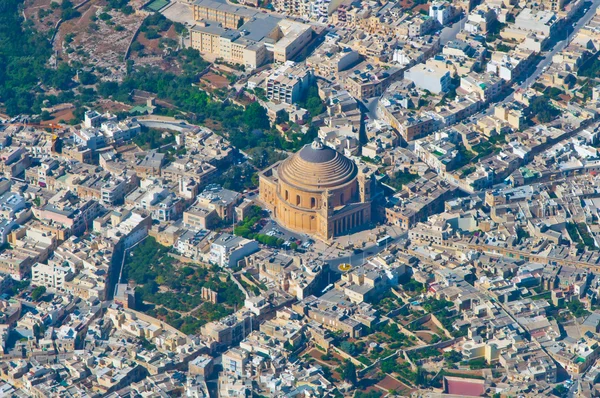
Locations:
(157, 5)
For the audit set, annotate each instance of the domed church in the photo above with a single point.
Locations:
(317, 191)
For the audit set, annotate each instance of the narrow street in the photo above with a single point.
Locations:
(571, 31)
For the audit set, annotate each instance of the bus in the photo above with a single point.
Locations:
(383, 241)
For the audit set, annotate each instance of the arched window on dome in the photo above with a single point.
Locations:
(342, 198)
(297, 200)
(313, 203)
(287, 195)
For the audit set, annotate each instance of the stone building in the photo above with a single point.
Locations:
(318, 191)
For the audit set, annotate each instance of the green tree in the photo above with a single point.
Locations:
(62, 78)
(106, 89)
(255, 116)
(349, 348)
(37, 293)
(401, 178)
(577, 308)
(543, 109)
(39, 330)
(421, 379)
(23, 56)
(349, 373)
(452, 356)
(315, 106)
(68, 12)
(137, 46)
(414, 286)
(388, 366)
(87, 78)
(152, 34)
(127, 10)
(312, 102)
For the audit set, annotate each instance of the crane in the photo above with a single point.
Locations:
(52, 126)
(43, 128)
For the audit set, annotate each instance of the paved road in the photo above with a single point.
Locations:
(447, 34)
(358, 259)
(282, 233)
(573, 389)
(559, 46)
(546, 60)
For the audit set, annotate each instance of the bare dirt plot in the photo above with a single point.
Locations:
(404, 320)
(99, 43)
(374, 388)
(112, 106)
(425, 335)
(32, 10)
(391, 384)
(65, 115)
(213, 125)
(215, 81)
(407, 4)
(421, 7)
(152, 46)
(318, 354)
(429, 325)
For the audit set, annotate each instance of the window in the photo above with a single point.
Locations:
(297, 200)
(342, 198)
(313, 203)
(287, 195)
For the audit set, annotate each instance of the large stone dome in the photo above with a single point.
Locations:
(317, 167)
(318, 191)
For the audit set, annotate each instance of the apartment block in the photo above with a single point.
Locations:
(246, 37)
(52, 276)
(289, 82)
(484, 86)
(429, 78)
(229, 16)
(312, 9)
(295, 38)
(221, 200)
(227, 250)
(366, 80)
(541, 22)
(233, 46)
